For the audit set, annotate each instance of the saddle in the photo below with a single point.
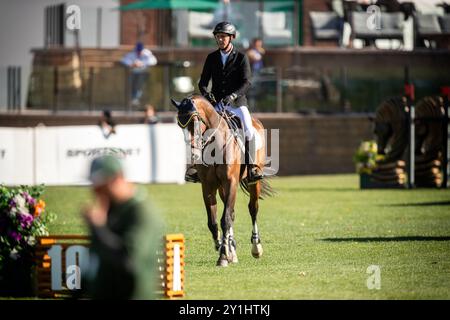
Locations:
(233, 121)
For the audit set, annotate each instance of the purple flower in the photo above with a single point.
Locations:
(30, 200)
(25, 220)
(12, 203)
(14, 235)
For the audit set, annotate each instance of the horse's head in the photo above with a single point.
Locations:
(188, 114)
(192, 119)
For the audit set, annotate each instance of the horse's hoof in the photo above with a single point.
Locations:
(222, 262)
(257, 250)
(234, 259)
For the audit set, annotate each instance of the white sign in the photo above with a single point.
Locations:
(62, 155)
(16, 156)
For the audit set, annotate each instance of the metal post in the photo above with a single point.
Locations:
(445, 91)
(14, 87)
(166, 82)
(18, 91)
(344, 81)
(91, 88)
(61, 24)
(279, 90)
(55, 89)
(409, 93)
(261, 12)
(9, 93)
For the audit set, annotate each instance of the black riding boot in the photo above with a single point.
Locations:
(191, 174)
(253, 171)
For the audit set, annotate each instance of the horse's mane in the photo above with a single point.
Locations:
(205, 102)
(392, 112)
(429, 113)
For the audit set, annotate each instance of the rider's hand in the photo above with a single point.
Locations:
(228, 100)
(210, 97)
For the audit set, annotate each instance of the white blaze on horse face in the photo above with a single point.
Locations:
(197, 143)
(193, 146)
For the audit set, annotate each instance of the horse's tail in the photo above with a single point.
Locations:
(266, 188)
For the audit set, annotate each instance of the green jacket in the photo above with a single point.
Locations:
(123, 261)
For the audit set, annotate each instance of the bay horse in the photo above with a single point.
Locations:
(199, 117)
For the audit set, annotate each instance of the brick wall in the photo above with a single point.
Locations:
(155, 25)
(318, 144)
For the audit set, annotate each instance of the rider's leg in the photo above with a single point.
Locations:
(254, 172)
(246, 119)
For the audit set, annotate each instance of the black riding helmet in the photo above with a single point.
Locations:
(225, 27)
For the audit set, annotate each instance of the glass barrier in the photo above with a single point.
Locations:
(294, 89)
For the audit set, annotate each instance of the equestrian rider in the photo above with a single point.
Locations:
(230, 73)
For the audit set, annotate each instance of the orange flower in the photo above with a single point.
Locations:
(39, 207)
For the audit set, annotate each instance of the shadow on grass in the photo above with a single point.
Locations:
(418, 204)
(388, 239)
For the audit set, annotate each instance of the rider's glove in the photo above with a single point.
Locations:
(210, 97)
(228, 100)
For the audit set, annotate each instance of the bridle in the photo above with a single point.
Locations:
(200, 145)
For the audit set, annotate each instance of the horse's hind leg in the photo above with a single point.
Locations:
(255, 190)
(209, 197)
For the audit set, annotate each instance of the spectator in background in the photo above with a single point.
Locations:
(150, 115)
(107, 124)
(125, 236)
(138, 61)
(255, 55)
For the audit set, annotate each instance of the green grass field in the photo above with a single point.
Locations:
(320, 234)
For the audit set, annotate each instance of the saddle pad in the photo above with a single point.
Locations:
(235, 123)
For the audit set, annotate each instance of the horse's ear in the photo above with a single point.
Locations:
(175, 103)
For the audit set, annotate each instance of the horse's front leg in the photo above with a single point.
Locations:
(228, 248)
(209, 197)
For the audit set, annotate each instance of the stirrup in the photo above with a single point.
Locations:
(192, 176)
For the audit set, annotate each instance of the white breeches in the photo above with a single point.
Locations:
(243, 114)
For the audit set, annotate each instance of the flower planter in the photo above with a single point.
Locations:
(22, 218)
(17, 278)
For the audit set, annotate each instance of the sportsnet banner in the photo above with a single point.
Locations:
(62, 155)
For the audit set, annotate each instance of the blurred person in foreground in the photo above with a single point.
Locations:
(125, 235)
